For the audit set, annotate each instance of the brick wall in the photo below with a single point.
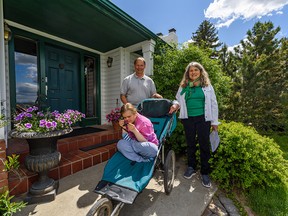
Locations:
(3, 174)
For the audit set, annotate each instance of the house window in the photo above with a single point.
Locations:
(90, 83)
(26, 71)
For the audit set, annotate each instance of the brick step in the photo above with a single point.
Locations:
(77, 153)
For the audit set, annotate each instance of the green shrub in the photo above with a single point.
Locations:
(245, 158)
(7, 207)
(177, 140)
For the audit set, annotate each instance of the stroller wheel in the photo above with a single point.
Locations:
(169, 172)
(102, 207)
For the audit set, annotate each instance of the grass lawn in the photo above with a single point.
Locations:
(282, 141)
(271, 201)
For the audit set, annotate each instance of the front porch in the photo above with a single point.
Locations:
(77, 153)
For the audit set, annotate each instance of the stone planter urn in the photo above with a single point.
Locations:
(43, 156)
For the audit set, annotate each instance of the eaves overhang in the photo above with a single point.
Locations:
(97, 24)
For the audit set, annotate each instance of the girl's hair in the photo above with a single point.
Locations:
(204, 78)
(128, 107)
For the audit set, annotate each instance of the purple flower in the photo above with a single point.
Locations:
(54, 124)
(42, 123)
(114, 115)
(29, 115)
(40, 114)
(28, 125)
(38, 121)
(48, 124)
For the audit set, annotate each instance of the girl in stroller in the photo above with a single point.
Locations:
(142, 143)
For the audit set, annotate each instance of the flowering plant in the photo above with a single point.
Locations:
(114, 115)
(33, 120)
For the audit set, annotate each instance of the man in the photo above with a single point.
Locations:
(137, 86)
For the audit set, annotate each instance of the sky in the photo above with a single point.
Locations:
(232, 18)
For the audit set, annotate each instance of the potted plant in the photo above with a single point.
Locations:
(42, 130)
(114, 117)
(34, 123)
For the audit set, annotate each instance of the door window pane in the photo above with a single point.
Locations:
(26, 71)
(90, 86)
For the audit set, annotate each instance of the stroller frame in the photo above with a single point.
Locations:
(111, 202)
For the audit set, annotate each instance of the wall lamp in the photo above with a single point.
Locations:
(7, 32)
(109, 62)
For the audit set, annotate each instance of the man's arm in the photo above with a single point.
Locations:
(123, 99)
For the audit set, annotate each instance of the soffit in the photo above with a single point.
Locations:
(97, 24)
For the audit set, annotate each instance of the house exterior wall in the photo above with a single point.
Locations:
(122, 66)
(110, 83)
(171, 38)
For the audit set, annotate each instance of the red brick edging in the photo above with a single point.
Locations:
(3, 173)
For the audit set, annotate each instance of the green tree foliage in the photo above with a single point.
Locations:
(230, 65)
(259, 71)
(206, 37)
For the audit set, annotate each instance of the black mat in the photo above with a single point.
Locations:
(82, 131)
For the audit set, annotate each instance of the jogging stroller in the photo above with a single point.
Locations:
(122, 180)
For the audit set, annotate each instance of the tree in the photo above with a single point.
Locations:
(261, 77)
(206, 36)
(230, 65)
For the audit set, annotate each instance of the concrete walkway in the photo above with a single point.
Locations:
(75, 196)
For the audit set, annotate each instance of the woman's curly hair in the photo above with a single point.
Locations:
(204, 77)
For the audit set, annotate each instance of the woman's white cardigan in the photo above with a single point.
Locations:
(211, 105)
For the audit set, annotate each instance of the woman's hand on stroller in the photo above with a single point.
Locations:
(173, 108)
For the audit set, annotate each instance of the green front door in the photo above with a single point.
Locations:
(62, 79)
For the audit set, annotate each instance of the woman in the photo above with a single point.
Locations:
(143, 144)
(198, 112)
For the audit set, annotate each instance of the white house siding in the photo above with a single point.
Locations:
(122, 66)
(110, 83)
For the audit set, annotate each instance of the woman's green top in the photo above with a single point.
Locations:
(195, 101)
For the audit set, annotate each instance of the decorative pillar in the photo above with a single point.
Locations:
(148, 50)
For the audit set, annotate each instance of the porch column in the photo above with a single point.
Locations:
(3, 174)
(2, 66)
(148, 50)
